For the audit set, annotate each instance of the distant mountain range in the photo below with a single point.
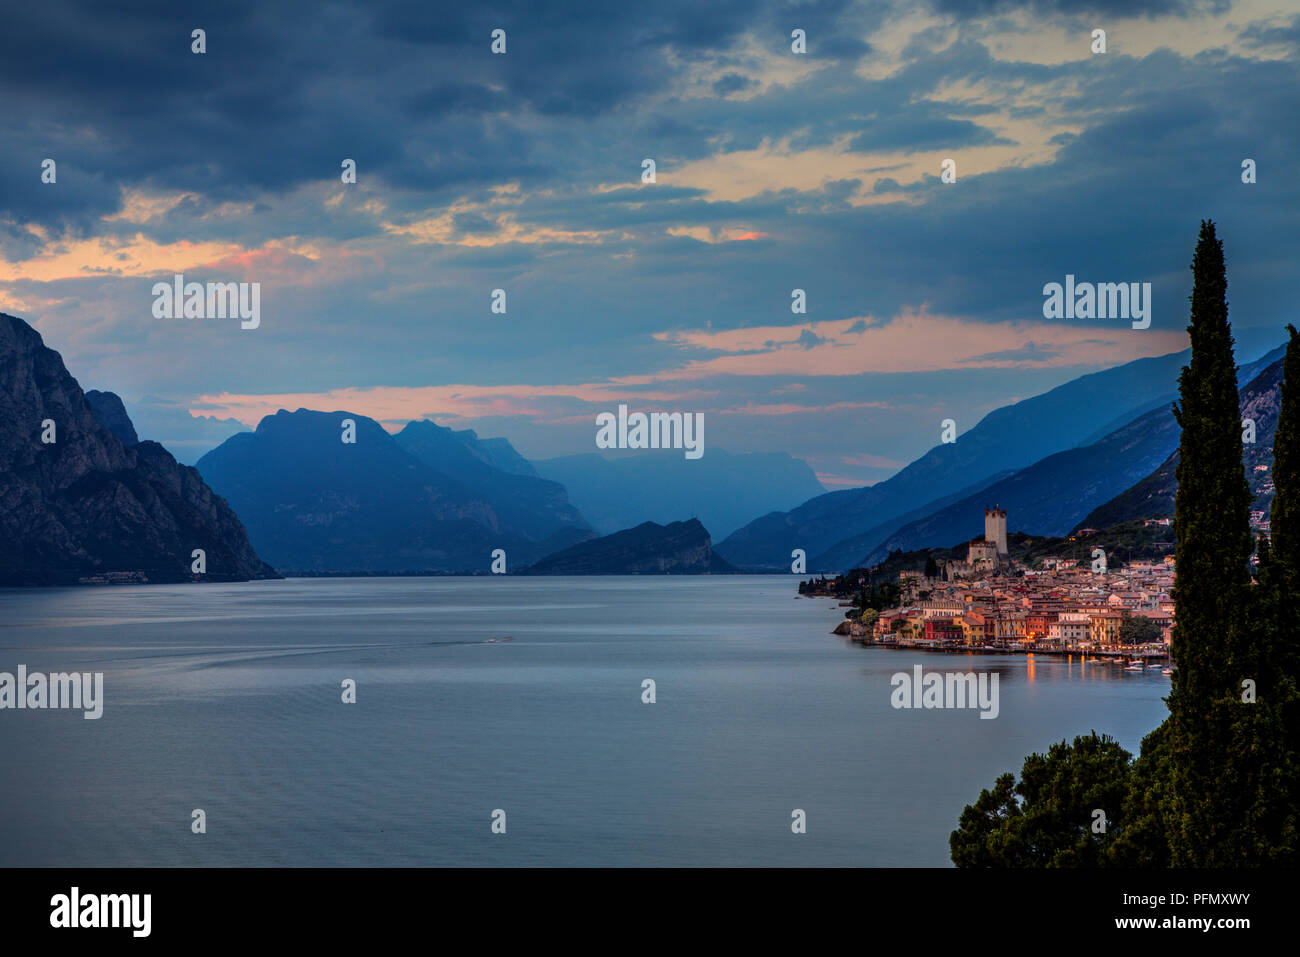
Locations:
(1048, 497)
(679, 548)
(100, 504)
(522, 502)
(1096, 482)
(432, 499)
(427, 500)
(499, 454)
(95, 503)
(944, 491)
(1008, 438)
(1153, 496)
(722, 489)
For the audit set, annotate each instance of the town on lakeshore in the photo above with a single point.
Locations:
(988, 602)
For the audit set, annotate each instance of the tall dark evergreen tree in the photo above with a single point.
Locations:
(1275, 808)
(1210, 642)
(1284, 517)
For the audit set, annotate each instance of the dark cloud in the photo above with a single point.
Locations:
(1029, 352)
(733, 83)
(1271, 34)
(474, 224)
(1116, 8)
(919, 129)
(808, 339)
(437, 123)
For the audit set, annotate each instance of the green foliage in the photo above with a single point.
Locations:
(1284, 517)
(985, 835)
(885, 595)
(1125, 543)
(1212, 506)
(1141, 840)
(1139, 630)
(1046, 819)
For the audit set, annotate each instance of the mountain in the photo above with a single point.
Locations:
(722, 489)
(498, 453)
(1049, 497)
(1153, 495)
(111, 413)
(847, 553)
(88, 506)
(533, 506)
(1244, 374)
(1008, 438)
(679, 548)
(314, 503)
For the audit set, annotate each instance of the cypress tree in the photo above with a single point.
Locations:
(1210, 643)
(1274, 812)
(1284, 514)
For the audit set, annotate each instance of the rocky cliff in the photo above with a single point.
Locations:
(77, 504)
(111, 413)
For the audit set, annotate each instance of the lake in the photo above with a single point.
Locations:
(227, 698)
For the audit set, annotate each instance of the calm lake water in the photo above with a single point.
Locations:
(228, 698)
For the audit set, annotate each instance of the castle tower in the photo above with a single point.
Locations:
(995, 528)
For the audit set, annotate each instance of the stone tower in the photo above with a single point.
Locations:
(995, 528)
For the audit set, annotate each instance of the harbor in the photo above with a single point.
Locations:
(1138, 658)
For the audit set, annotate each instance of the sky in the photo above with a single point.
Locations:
(522, 171)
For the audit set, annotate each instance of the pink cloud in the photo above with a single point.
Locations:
(917, 341)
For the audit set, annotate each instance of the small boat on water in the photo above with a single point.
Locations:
(1167, 671)
(1155, 665)
(1134, 668)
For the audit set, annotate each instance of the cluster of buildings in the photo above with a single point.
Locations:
(990, 601)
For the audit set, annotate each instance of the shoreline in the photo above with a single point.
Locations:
(1146, 655)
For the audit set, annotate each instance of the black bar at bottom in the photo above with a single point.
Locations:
(336, 906)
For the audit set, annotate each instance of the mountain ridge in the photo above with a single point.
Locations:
(86, 506)
(1153, 495)
(677, 548)
(1010, 437)
(318, 504)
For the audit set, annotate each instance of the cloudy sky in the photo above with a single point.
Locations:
(775, 171)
